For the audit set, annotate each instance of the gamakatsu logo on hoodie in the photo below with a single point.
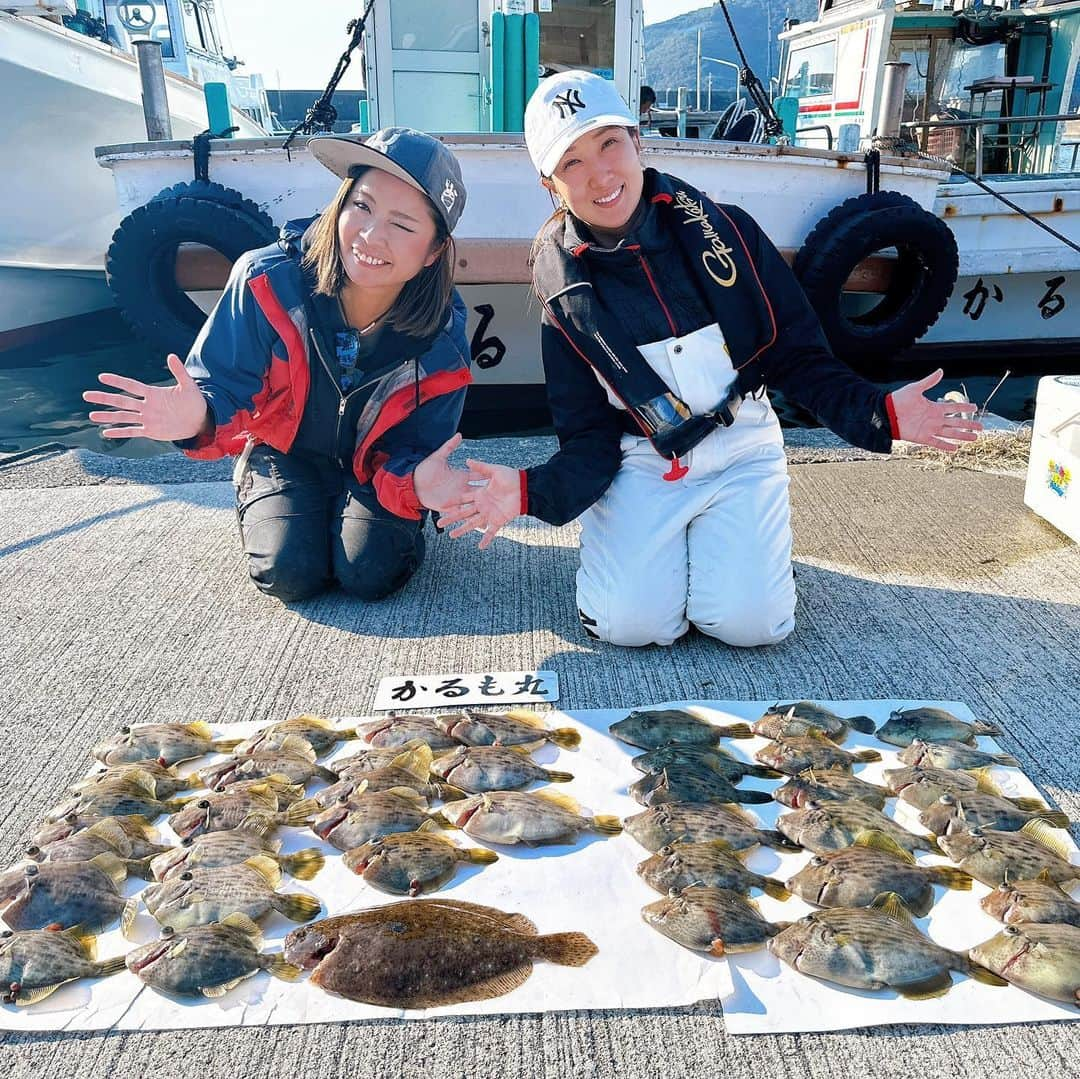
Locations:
(718, 262)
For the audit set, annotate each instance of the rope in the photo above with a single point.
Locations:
(755, 91)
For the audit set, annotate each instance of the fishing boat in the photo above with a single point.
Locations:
(69, 81)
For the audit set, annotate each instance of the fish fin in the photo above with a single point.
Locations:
(316, 721)
(112, 865)
(558, 777)
(566, 949)
(212, 992)
(607, 824)
(281, 786)
(891, 904)
(266, 867)
(429, 827)
(1029, 805)
(127, 917)
(772, 887)
(867, 755)
(416, 761)
(480, 855)
(304, 864)
(1043, 834)
(496, 986)
(566, 737)
(299, 812)
(981, 974)
(298, 746)
(931, 844)
(143, 780)
(1054, 817)
(751, 797)
(297, 907)
(735, 730)
(945, 875)
(113, 834)
(819, 736)
(240, 921)
(935, 986)
(778, 841)
(563, 801)
(174, 805)
(528, 717)
(762, 772)
(721, 845)
(138, 824)
(32, 996)
(984, 781)
(438, 820)
(200, 728)
(872, 839)
(1006, 760)
(277, 966)
(258, 823)
(981, 727)
(107, 967)
(862, 724)
(86, 940)
(409, 795)
(448, 792)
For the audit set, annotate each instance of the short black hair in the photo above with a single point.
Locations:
(647, 97)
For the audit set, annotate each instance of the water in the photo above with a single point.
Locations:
(41, 387)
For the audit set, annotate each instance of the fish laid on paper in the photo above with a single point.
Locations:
(410, 768)
(392, 731)
(477, 769)
(35, 962)
(686, 783)
(713, 920)
(371, 760)
(105, 836)
(121, 797)
(67, 894)
(166, 781)
(872, 865)
(254, 809)
(1043, 959)
(973, 809)
(524, 817)
(167, 743)
(422, 953)
(1039, 900)
(946, 754)
(830, 826)
(681, 865)
(359, 820)
(520, 727)
(995, 857)
(873, 948)
(802, 717)
(714, 758)
(931, 725)
(923, 786)
(319, 733)
(795, 755)
(201, 896)
(143, 838)
(410, 863)
(690, 822)
(294, 759)
(207, 960)
(829, 785)
(661, 726)
(284, 792)
(215, 849)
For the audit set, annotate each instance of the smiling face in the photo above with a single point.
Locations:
(600, 178)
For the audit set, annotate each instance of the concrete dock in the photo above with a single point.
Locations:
(125, 599)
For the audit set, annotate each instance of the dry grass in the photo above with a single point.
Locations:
(992, 451)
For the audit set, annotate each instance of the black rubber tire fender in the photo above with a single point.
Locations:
(228, 196)
(140, 263)
(922, 282)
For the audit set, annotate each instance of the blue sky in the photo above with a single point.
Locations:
(300, 52)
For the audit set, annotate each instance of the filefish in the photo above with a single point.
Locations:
(35, 962)
(689, 822)
(200, 896)
(829, 785)
(370, 760)
(166, 781)
(168, 743)
(830, 826)
(253, 809)
(284, 792)
(520, 727)
(320, 735)
(873, 948)
(1043, 959)
(105, 836)
(947, 754)
(207, 959)
(713, 864)
(477, 769)
(355, 822)
(216, 849)
(1039, 900)
(921, 787)
(690, 784)
(713, 920)
(392, 731)
(67, 894)
(410, 863)
(422, 953)
(662, 726)
(995, 857)
(794, 755)
(294, 760)
(973, 809)
(871, 866)
(524, 817)
(931, 725)
(411, 768)
(142, 837)
(119, 798)
(714, 758)
(802, 717)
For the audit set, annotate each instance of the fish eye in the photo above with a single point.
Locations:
(7, 933)
(125, 730)
(342, 799)
(167, 930)
(72, 818)
(817, 860)
(31, 871)
(948, 799)
(187, 841)
(204, 804)
(33, 849)
(1012, 930)
(188, 875)
(666, 850)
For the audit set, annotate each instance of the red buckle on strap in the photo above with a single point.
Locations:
(677, 471)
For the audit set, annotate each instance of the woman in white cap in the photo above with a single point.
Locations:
(665, 317)
(334, 366)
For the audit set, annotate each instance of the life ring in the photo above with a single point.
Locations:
(923, 277)
(140, 265)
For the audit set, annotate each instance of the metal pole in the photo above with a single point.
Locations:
(710, 93)
(155, 99)
(978, 152)
(680, 116)
(699, 71)
(892, 98)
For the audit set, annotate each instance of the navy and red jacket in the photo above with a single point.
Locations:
(257, 363)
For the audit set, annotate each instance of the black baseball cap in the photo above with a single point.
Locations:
(421, 161)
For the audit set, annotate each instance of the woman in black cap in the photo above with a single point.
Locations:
(334, 367)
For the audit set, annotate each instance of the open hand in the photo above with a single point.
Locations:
(940, 424)
(436, 484)
(165, 413)
(492, 501)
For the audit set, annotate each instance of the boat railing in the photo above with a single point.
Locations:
(981, 123)
(817, 127)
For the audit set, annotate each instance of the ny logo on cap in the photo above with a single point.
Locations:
(568, 103)
(449, 195)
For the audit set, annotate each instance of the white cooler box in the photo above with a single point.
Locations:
(1053, 478)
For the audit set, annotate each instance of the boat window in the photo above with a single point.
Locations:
(964, 64)
(811, 70)
(916, 53)
(449, 26)
(578, 34)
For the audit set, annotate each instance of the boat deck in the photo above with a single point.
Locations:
(126, 600)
